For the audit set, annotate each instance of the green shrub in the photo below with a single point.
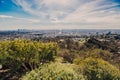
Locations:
(98, 69)
(98, 53)
(26, 53)
(95, 53)
(67, 56)
(20, 56)
(54, 71)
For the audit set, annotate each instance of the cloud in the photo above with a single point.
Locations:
(47, 9)
(67, 14)
(71, 10)
(5, 16)
(96, 11)
(29, 20)
(21, 19)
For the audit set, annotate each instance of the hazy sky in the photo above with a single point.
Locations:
(59, 14)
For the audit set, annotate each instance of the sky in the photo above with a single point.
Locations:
(59, 14)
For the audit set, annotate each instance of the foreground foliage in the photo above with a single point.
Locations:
(26, 55)
(35, 60)
(98, 69)
(54, 71)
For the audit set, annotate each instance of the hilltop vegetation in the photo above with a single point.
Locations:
(66, 60)
(21, 56)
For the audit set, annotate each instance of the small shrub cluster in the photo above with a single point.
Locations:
(98, 69)
(54, 71)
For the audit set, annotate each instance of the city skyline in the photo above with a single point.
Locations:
(63, 14)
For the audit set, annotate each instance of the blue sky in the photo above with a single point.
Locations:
(59, 14)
